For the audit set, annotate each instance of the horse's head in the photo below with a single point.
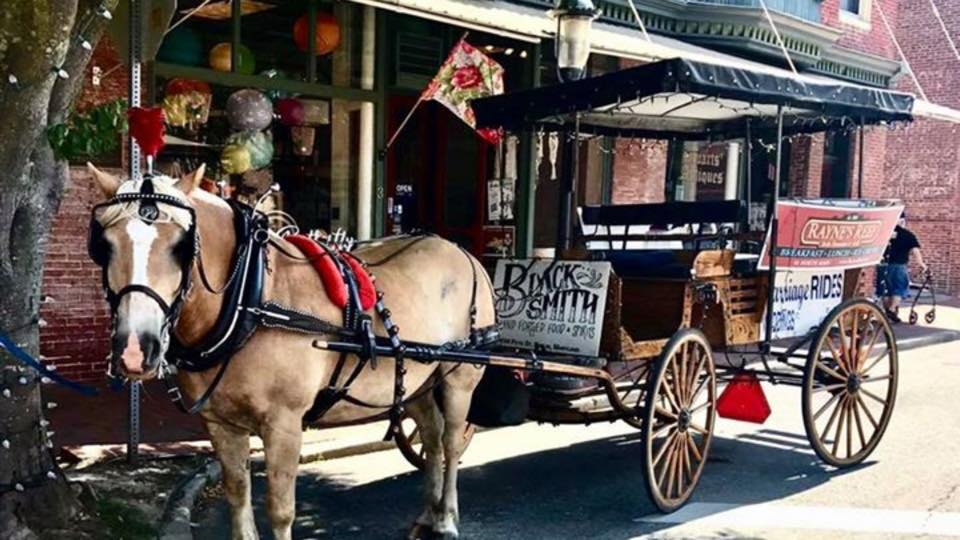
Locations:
(145, 239)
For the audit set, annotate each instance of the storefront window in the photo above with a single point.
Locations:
(703, 171)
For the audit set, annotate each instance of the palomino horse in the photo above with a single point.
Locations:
(276, 374)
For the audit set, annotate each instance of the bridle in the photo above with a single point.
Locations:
(186, 252)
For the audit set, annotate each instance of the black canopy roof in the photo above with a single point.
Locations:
(693, 100)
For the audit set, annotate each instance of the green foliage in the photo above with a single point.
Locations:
(90, 135)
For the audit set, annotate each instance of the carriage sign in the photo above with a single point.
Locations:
(831, 234)
(551, 305)
(802, 299)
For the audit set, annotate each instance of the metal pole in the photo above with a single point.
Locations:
(311, 41)
(860, 162)
(135, 46)
(749, 165)
(774, 223)
(568, 197)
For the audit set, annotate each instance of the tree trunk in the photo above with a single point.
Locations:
(36, 36)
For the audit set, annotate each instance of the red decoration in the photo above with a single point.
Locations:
(147, 128)
(333, 282)
(178, 86)
(743, 399)
(328, 33)
(291, 112)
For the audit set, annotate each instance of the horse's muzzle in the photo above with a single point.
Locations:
(137, 355)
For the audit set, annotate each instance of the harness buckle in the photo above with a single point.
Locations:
(368, 340)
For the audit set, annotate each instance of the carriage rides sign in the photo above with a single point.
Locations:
(816, 242)
(551, 305)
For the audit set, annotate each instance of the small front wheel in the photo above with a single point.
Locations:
(679, 413)
(850, 383)
(411, 446)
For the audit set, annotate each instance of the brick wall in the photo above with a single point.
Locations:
(872, 38)
(76, 336)
(639, 171)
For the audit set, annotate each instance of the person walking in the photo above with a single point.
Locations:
(893, 275)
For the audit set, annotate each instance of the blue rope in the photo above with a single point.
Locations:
(22, 356)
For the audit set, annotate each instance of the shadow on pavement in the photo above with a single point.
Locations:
(592, 489)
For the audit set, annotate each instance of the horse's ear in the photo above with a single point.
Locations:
(190, 181)
(108, 183)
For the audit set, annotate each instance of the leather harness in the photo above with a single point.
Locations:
(244, 310)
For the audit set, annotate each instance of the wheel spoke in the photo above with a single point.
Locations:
(866, 410)
(833, 416)
(700, 386)
(687, 462)
(660, 431)
(856, 415)
(825, 405)
(665, 384)
(828, 371)
(680, 380)
(844, 350)
(694, 449)
(837, 355)
(863, 355)
(876, 379)
(666, 471)
(681, 465)
(849, 427)
(828, 388)
(836, 435)
(854, 342)
(873, 396)
(698, 428)
(875, 362)
(672, 466)
(695, 377)
(663, 449)
(668, 414)
(700, 406)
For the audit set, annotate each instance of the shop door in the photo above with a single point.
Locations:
(435, 175)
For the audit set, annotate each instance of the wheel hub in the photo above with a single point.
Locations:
(683, 420)
(853, 383)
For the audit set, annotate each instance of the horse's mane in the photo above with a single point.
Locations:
(162, 184)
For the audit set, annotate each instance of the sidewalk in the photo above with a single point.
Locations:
(95, 429)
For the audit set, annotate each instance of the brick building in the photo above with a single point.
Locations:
(845, 39)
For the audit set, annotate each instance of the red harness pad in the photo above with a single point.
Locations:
(333, 282)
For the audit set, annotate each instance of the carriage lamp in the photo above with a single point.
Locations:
(574, 19)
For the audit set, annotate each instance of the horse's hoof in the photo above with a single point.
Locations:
(447, 535)
(420, 532)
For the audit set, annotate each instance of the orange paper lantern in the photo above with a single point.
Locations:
(328, 33)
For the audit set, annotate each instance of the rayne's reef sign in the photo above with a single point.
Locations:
(551, 305)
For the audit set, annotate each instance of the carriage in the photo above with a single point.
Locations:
(688, 297)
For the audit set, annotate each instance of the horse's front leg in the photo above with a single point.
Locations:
(232, 446)
(282, 438)
(430, 423)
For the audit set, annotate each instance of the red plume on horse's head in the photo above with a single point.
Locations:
(147, 128)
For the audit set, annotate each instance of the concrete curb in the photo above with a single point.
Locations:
(175, 522)
(933, 338)
(308, 455)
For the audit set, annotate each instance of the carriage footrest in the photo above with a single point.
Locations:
(555, 381)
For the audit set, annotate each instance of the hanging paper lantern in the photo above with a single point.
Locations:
(258, 144)
(303, 138)
(249, 110)
(181, 46)
(235, 159)
(291, 112)
(220, 59)
(146, 127)
(187, 109)
(328, 33)
(275, 74)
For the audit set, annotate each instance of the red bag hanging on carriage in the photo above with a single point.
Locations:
(743, 399)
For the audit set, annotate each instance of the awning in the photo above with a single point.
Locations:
(694, 100)
(491, 16)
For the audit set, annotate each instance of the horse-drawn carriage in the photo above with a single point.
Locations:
(782, 303)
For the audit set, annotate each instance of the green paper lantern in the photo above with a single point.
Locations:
(220, 58)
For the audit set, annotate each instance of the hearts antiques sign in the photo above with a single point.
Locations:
(551, 305)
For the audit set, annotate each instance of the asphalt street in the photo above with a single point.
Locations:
(762, 481)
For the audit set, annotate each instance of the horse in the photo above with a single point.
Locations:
(155, 246)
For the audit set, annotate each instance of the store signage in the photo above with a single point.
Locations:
(711, 172)
(802, 299)
(551, 305)
(831, 234)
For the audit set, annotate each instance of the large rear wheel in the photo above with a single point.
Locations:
(850, 383)
(679, 414)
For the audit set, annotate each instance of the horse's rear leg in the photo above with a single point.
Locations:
(282, 438)
(456, 394)
(430, 423)
(232, 446)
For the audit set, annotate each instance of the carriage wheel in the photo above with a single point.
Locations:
(409, 443)
(850, 383)
(679, 414)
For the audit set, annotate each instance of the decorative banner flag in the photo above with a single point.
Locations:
(467, 74)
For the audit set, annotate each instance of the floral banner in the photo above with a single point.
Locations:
(467, 74)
